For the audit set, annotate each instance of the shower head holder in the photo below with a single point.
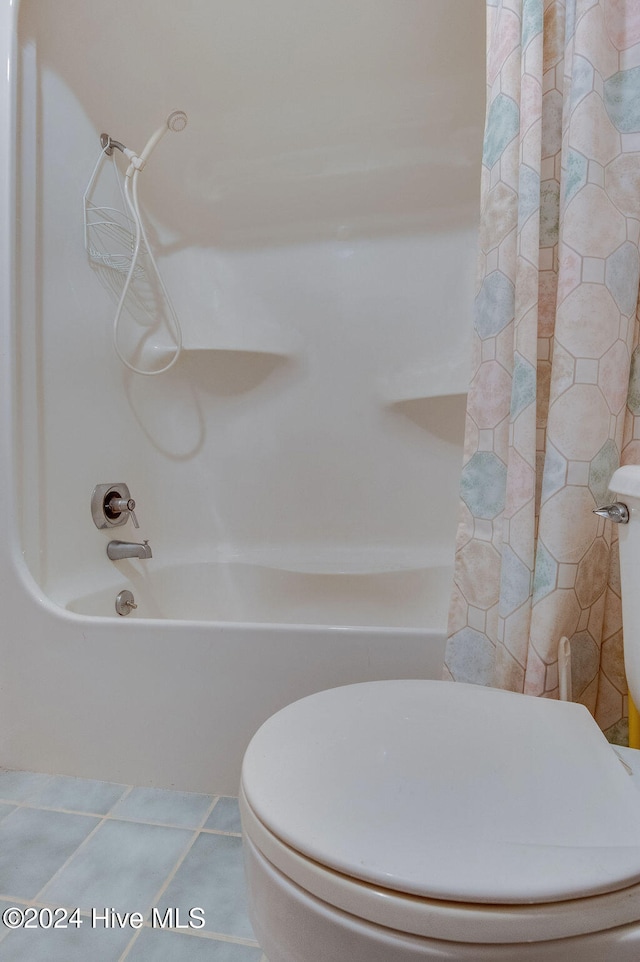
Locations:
(108, 143)
(176, 121)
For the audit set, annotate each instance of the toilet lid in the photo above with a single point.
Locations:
(448, 791)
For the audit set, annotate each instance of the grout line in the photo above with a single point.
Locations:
(101, 820)
(12, 801)
(213, 937)
(171, 875)
(19, 771)
(44, 904)
(207, 936)
(65, 811)
(107, 816)
(73, 854)
(206, 815)
(39, 902)
(129, 946)
(163, 888)
(219, 831)
(33, 803)
(124, 795)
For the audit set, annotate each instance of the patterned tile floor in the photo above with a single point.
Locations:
(68, 843)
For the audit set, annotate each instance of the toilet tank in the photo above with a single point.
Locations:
(625, 483)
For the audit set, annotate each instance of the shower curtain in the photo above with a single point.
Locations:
(555, 387)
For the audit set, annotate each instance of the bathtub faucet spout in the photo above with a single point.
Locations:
(117, 550)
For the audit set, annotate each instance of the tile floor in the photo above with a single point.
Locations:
(72, 843)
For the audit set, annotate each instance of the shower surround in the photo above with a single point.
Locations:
(296, 472)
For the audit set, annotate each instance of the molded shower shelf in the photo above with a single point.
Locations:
(234, 349)
(450, 379)
(236, 366)
(206, 355)
(243, 338)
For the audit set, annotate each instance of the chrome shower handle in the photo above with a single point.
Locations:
(118, 505)
(112, 505)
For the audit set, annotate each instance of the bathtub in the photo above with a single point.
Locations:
(219, 647)
(296, 472)
(171, 694)
(261, 595)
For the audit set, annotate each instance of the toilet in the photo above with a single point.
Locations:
(394, 821)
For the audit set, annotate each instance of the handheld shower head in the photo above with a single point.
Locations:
(177, 121)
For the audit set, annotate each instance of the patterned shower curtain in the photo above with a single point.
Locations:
(555, 385)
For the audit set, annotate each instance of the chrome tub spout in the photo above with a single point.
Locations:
(117, 550)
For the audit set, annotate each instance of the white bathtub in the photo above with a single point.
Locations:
(257, 594)
(171, 694)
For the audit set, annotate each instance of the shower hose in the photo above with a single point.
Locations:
(176, 121)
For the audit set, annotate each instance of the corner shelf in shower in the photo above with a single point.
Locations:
(204, 349)
(268, 341)
(447, 380)
(203, 356)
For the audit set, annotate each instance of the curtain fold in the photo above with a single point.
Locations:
(555, 387)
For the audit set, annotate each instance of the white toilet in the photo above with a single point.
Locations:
(401, 820)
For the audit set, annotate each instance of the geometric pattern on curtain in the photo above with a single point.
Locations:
(555, 386)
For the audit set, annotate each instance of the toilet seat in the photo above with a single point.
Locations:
(340, 792)
(444, 920)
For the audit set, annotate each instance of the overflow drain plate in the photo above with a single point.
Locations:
(125, 603)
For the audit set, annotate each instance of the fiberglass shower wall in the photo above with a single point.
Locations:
(315, 226)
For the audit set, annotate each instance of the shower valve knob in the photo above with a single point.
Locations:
(112, 505)
(118, 505)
